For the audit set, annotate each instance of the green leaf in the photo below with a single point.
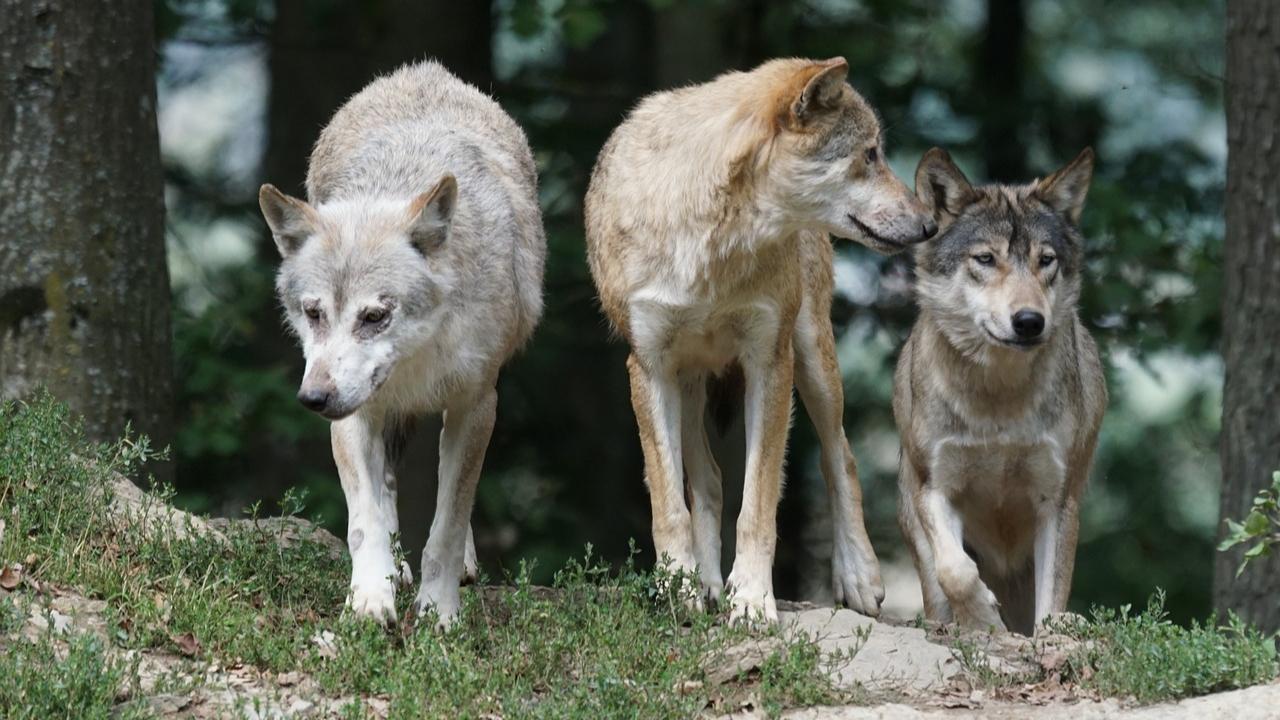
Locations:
(1256, 524)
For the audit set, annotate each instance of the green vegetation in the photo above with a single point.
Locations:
(37, 684)
(1149, 658)
(1260, 527)
(599, 643)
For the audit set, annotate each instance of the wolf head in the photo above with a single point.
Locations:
(1005, 266)
(358, 286)
(827, 160)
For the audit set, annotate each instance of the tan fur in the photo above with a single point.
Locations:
(997, 439)
(706, 224)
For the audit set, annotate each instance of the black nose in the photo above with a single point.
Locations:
(1028, 323)
(930, 229)
(314, 400)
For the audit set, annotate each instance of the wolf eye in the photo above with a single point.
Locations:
(985, 258)
(872, 154)
(1047, 259)
(311, 311)
(373, 316)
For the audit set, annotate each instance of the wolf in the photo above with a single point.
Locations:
(998, 397)
(410, 275)
(707, 218)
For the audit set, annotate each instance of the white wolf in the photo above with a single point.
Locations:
(410, 277)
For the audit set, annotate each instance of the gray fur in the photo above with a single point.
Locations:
(414, 273)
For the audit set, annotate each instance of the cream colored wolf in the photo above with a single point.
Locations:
(706, 225)
(998, 397)
(411, 276)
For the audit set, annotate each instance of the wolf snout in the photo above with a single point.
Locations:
(314, 399)
(1028, 324)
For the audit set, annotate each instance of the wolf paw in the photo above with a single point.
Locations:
(373, 600)
(981, 611)
(751, 598)
(759, 610)
(441, 597)
(712, 590)
(855, 579)
(404, 578)
(470, 566)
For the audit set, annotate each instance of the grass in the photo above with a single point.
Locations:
(1142, 656)
(1148, 658)
(40, 680)
(600, 643)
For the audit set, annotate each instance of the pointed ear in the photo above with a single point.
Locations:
(1065, 190)
(291, 220)
(819, 84)
(942, 187)
(431, 214)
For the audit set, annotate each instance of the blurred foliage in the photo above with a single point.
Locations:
(1261, 526)
(1011, 100)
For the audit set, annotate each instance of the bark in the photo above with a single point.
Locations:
(84, 289)
(1251, 315)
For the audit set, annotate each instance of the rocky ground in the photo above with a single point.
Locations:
(895, 669)
(901, 672)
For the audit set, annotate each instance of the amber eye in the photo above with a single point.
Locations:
(373, 316)
(985, 258)
(1047, 259)
(872, 155)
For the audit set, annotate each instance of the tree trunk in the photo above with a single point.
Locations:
(1002, 57)
(1251, 316)
(84, 289)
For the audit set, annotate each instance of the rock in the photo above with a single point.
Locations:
(889, 657)
(1256, 703)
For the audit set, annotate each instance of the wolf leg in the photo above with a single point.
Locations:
(1046, 559)
(470, 564)
(468, 423)
(936, 607)
(359, 453)
(855, 572)
(705, 490)
(972, 601)
(405, 576)
(768, 417)
(655, 397)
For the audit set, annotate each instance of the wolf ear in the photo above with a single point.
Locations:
(1065, 190)
(942, 187)
(291, 220)
(431, 214)
(822, 83)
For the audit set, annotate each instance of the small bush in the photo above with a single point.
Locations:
(1261, 526)
(1147, 657)
(37, 682)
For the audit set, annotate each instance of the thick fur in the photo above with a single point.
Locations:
(998, 429)
(411, 276)
(706, 225)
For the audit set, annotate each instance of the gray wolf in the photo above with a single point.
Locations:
(411, 274)
(706, 221)
(998, 397)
